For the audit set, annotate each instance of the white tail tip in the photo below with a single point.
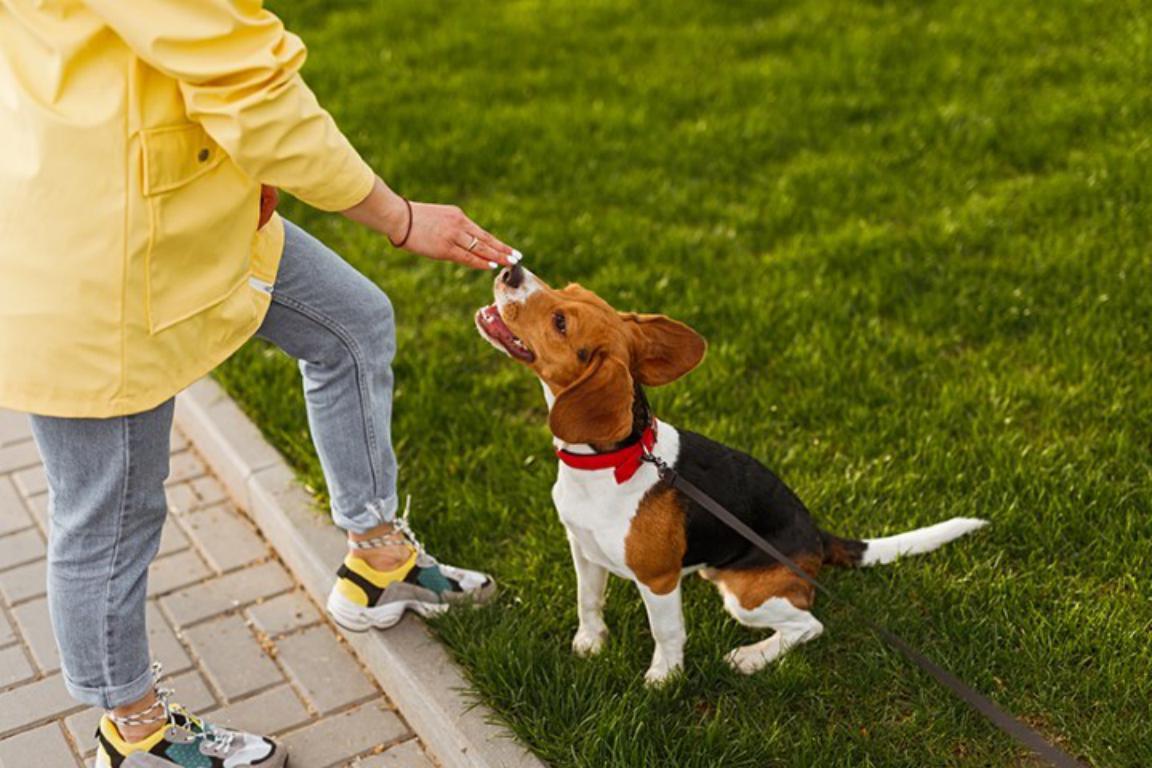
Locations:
(881, 551)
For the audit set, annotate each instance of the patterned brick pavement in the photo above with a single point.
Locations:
(239, 639)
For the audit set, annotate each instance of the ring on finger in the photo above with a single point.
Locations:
(472, 245)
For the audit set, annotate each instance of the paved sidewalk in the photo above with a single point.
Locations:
(239, 640)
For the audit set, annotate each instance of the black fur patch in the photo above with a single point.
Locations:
(753, 494)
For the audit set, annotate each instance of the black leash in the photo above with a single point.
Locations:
(1018, 730)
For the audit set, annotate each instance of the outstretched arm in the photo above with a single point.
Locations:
(441, 232)
(239, 73)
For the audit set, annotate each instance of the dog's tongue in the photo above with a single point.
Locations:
(494, 321)
(494, 324)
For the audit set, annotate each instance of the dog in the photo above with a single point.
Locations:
(622, 518)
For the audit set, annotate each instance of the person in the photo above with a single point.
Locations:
(141, 145)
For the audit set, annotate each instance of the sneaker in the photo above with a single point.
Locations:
(186, 742)
(365, 597)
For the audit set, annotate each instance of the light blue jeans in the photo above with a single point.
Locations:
(106, 476)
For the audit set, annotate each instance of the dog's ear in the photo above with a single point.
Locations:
(597, 407)
(663, 349)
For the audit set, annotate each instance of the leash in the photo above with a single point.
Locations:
(1023, 733)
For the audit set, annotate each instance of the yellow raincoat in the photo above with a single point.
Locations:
(134, 138)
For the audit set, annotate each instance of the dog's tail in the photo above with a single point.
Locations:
(852, 553)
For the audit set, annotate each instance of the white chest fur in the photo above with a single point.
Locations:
(598, 512)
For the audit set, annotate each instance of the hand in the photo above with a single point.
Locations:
(445, 233)
(440, 232)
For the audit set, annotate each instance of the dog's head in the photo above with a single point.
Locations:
(588, 355)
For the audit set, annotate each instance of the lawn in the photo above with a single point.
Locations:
(916, 235)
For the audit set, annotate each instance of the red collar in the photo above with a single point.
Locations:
(626, 461)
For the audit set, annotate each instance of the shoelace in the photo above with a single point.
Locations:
(218, 739)
(144, 717)
(401, 532)
(402, 525)
(221, 740)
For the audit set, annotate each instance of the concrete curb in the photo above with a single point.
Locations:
(411, 666)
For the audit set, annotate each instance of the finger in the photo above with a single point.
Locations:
(504, 250)
(488, 253)
(462, 255)
(475, 244)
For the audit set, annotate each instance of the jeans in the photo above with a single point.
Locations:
(106, 476)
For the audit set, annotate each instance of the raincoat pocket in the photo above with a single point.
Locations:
(201, 206)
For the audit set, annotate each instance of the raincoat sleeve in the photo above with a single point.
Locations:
(238, 70)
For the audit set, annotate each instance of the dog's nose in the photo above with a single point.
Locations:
(512, 276)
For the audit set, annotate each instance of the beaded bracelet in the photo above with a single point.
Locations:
(387, 540)
(140, 718)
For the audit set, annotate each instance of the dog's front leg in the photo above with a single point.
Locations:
(591, 581)
(666, 619)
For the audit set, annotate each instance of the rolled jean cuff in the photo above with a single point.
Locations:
(372, 514)
(113, 697)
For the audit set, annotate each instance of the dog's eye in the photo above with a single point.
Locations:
(560, 323)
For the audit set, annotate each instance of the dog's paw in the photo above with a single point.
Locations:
(659, 674)
(589, 642)
(750, 659)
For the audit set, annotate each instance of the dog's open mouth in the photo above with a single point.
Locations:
(492, 327)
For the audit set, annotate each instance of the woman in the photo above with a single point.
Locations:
(140, 146)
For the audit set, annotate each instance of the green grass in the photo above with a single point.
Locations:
(917, 237)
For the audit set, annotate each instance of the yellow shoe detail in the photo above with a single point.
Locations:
(358, 582)
(108, 728)
(352, 592)
(380, 578)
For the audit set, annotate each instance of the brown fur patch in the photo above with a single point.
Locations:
(591, 360)
(656, 542)
(755, 585)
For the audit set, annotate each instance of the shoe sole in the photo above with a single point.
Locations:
(357, 618)
(146, 760)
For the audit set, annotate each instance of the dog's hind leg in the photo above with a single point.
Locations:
(767, 598)
(793, 626)
(591, 582)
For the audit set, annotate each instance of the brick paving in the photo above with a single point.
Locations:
(240, 641)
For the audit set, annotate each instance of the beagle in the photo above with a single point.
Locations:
(621, 518)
